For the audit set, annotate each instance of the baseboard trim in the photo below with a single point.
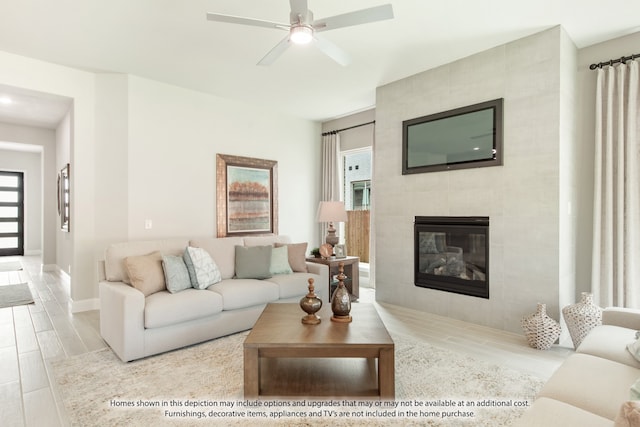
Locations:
(75, 306)
(85, 305)
(49, 267)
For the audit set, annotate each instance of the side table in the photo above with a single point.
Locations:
(351, 270)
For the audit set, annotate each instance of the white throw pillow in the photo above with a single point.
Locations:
(203, 271)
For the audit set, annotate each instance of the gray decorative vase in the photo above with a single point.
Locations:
(581, 318)
(540, 329)
(341, 300)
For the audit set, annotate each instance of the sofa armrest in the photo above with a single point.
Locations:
(624, 317)
(319, 269)
(122, 319)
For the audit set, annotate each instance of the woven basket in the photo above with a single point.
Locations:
(540, 329)
(581, 318)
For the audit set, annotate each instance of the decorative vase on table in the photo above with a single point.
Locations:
(341, 300)
(540, 329)
(311, 304)
(581, 318)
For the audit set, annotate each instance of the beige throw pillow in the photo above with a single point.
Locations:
(629, 415)
(297, 255)
(146, 273)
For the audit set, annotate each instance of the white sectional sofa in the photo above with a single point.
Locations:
(136, 325)
(590, 388)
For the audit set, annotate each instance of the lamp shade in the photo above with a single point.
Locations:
(331, 212)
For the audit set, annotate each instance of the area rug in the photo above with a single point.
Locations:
(10, 266)
(11, 295)
(203, 385)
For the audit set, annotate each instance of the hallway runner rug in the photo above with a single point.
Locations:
(10, 266)
(11, 295)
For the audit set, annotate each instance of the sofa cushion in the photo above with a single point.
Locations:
(176, 274)
(115, 254)
(280, 261)
(592, 383)
(165, 309)
(610, 342)
(222, 252)
(203, 272)
(241, 293)
(297, 255)
(297, 285)
(146, 273)
(253, 262)
(547, 412)
(265, 240)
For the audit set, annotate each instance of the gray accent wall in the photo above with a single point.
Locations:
(529, 199)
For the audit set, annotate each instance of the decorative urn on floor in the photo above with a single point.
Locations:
(311, 304)
(581, 318)
(341, 300)
(540, 329)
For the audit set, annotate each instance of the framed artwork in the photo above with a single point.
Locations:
(247, 196)
(340, 251)
(64, 198)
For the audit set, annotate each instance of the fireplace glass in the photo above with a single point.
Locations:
(452, 254)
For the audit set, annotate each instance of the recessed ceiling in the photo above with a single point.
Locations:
(31, 108)
(172, 42)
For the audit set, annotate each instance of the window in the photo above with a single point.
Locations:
(360, 195)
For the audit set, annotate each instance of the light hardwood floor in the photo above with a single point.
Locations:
(32, 336)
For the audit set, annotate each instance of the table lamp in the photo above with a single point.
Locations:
(331, 212)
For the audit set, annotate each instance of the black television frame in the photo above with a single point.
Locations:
(496, 105)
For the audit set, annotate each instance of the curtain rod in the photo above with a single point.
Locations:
(614, 61)
(350, 127)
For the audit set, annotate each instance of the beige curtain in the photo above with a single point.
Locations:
(331, 175)
(616, 231)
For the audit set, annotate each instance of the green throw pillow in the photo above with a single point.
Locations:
(253, 262)
(280, 261)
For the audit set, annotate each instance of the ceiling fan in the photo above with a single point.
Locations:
(303, 28)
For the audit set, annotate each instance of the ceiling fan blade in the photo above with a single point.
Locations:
(363, 16)
(246, 21)
(275, 53)
(332, 51)
(299, 7)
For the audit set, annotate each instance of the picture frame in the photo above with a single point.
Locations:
(64, 198)
(246, 196)
(340, 251)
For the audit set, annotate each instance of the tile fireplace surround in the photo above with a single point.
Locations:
(531, 244)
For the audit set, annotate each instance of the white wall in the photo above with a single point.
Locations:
(174, 136)
(64, 239)
(144, 150)
(522, 198)
(39, 232)
(359, 137)
(29, 163)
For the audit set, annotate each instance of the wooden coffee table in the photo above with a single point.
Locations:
(283, 357)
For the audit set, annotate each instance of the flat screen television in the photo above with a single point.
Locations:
(467, 137)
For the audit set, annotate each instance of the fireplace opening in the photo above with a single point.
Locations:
(452, 254)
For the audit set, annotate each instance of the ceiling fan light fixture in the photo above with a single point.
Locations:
(301, 34)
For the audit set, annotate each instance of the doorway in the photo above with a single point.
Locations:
(11, 213)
